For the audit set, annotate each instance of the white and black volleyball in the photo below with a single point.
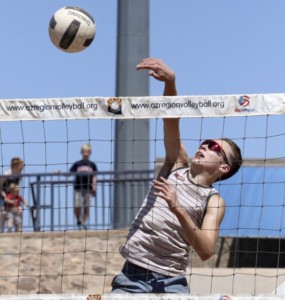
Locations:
(72, 29)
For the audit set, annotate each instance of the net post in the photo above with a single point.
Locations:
(131, 139)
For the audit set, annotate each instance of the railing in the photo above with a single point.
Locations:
(50, 197)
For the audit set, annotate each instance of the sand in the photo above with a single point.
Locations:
(85, 262)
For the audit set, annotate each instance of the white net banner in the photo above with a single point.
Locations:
(141, 107)
(48, 297)
(140, 297)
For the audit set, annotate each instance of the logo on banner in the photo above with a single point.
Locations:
(115, 106)
(94, 297)
(243, 105)
(244, 100)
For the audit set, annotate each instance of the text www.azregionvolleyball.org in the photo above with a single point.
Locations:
(170, 105)
(53, 107)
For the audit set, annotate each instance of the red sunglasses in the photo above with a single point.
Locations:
(214, 146)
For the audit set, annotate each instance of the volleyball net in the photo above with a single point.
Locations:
(56, 258)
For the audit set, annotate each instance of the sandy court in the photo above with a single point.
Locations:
(85, 262)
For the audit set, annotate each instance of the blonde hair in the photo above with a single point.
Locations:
(86, 147)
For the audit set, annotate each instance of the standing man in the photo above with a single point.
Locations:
(84, 185)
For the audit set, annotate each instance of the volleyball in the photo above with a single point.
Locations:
(72, 29)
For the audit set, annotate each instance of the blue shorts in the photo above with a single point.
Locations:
(134, 279)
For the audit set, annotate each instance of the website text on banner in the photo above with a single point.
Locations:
(141, 107)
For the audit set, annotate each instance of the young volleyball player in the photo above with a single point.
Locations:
(181, 210)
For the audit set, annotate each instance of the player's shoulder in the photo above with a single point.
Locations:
(215, 199)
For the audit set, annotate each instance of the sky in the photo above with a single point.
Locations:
(214, 47)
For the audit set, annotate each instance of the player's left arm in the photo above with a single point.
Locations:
(203, 239)
(210, 227)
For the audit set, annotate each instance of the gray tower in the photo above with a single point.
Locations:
(131, 136)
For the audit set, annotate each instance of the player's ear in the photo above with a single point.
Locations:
(224, 168)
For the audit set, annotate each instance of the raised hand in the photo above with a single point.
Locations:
(157, 69)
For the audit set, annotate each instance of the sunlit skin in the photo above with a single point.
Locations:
(207, 166)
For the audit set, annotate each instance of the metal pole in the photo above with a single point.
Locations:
(38, 204)
(131, 136)
(52, 208)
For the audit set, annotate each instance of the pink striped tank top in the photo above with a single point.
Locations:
(156, 240)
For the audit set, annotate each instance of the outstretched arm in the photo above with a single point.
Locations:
(176, 155)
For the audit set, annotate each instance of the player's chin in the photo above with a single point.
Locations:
(197, 160)
(201, 162)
